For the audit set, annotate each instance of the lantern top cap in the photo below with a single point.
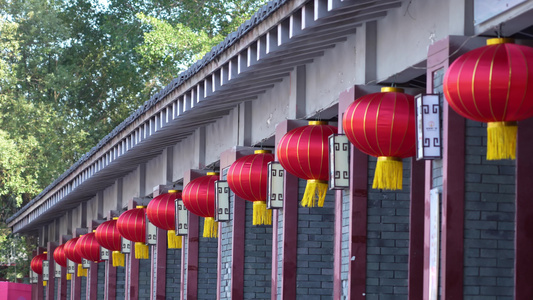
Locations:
(262, 151)
(317, 123)
(174, 191)
(388, 89)
(115, 218)
(140, 206)
(212, 173)
(497, 41)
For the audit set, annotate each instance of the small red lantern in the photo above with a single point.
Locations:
(132, 226)
(74, 256)
(162, 213)
(60, 257)
(36, 263)
(199, 199)
(107, 236)
(383, 125)
(247, 178)
(303, 152)
(493, 84)
(88, 247)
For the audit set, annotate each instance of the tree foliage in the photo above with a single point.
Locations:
(70, 71)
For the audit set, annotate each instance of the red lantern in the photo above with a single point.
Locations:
(199, 199)
(60, 257)
(107, 236)
(303, 152)
(132, 226)
(493, 84)
(88, 248)
(161, 212)
(247, 178)
(383, 125)
(36, 263)
(74, 256)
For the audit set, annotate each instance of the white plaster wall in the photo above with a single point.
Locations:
(405, 34)
(92, 210)
(76, 218)
(110, 199)
(63, 225)
(185, 156)
(329, 75)
(221, 135)
(130, 187)
(271, 108)
(156, 171)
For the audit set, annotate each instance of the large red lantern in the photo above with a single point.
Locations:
(107, 236)
(493, 84)
(199, 199)
(74, 256)
(383, 125)
(132, 226)
(303, 152)
(247, 178)
(88, 247)
(162, 213)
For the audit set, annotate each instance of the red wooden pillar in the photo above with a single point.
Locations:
(92, 282)
(159, 259)
(132, 268)
(415, 275)
(37, 289)
(110, 282)
(193, 238)
(523, 276)
(290, 224)
(51, 282)
(238, 223)
(62, 282)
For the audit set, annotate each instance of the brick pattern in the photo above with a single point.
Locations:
(345, 251)
(83, 287)
(68, 290)
(121, 283)
(226, 251)
(387, 238)
(101, 281)
(184, 262)
(489, 220)
(55, 287)
(257, 258)
(144, 277)
(207, 265)
(314, 273)
(173, 279)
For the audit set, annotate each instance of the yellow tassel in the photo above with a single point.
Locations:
(44, 282)
(501, 140)
(141, 251)
(262, 215)
(389, 173)
(174, 241)
(69, 276)
(315, 190)
(210, 228)
(118, 259)
(81, 271)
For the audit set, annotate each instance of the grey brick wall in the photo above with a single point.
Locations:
(101, 280)
(387, 238)
(257, 258)
(121, 283)
(68, 289)
(56, 283)
(83, 287)
(489, 220)
(207, 266)
(186, 249)
(226, 251)
(314, 273)
(173, 279)
(145, 277)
